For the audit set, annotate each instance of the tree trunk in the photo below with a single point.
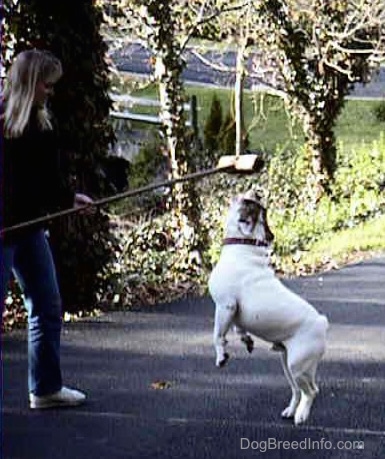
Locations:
(184, 201)
(321, 148)
(171, 96)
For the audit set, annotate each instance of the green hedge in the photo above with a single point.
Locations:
(151, 266)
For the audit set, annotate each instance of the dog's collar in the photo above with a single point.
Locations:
(243, 241)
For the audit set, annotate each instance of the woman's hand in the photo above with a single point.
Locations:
(85, 202)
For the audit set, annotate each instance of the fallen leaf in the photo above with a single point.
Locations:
(160, 385)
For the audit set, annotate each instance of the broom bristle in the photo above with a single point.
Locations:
(247, 163)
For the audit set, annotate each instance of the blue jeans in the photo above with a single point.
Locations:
(30, 259)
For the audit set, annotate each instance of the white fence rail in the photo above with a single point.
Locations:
(128, 102)
(131, 137)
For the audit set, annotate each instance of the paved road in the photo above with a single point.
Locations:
(205, 412)
(134, 58)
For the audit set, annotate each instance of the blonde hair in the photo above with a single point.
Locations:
(29, 68)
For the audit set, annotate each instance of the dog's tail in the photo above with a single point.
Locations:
(323, 323)
(322, 326)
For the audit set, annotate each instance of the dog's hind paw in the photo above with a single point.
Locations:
(300, 417)
(291, 409)
(303, 410)
(249, 343)
(222, 363)
(288, 413)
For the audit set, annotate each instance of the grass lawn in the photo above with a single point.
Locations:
(340, 248)
(270, 126)
(271, 129)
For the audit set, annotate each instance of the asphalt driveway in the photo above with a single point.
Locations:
(154, 392)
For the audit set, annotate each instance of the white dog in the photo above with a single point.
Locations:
(248, 295)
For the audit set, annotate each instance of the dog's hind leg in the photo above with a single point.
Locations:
(289, 411)
(224, 315)
(306, 367)
(303, 366)
(307, 389)
(303, 355)
(308, 394)
(245, 338)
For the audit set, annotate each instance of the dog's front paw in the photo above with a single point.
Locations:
(248, 342)
(222, 362)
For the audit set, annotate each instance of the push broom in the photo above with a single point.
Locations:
(242, 164)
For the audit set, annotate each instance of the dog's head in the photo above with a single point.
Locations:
(247, 218)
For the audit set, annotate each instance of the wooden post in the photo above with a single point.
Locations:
(194, 115)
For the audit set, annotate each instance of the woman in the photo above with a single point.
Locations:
(32, 187)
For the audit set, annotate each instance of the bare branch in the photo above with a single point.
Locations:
(220, 67)
(201, 19)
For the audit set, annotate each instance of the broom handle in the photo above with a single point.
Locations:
(116, 197)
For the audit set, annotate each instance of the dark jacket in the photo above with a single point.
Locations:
(32, 182)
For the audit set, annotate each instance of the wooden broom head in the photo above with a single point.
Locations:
(248, 163)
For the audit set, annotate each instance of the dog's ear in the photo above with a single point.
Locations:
(269, 235)
(252, 195)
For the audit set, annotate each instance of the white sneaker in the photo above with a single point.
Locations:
(64, 397)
